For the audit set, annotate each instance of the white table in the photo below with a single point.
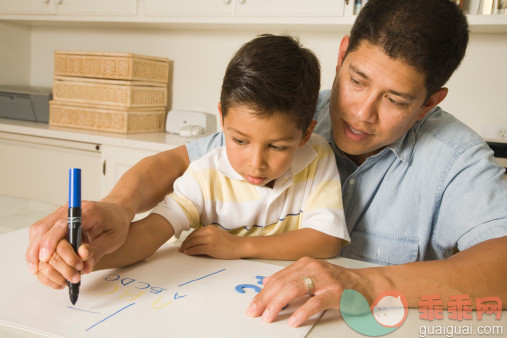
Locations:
(17, 213)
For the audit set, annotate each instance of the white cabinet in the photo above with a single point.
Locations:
(70, 7)
(27, 6)
(244, 8)
(36, 167)
(188, 8)
(96, 7)
(116, 161)
(286, 8)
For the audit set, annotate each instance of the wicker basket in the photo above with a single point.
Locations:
(126, 94)
(116, 120)
(116, 66)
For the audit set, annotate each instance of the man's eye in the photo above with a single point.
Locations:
(355, 82)
(238, 141)
(397, 103)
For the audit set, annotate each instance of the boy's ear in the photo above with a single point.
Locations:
(308, 133)
(220, 114)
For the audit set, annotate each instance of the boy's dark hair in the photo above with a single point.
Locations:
(430, 35)
(273, 74)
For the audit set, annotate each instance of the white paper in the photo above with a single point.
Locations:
(171, 294)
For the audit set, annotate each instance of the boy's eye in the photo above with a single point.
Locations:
(277, 148)
(238, 141)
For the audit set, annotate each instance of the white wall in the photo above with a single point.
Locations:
(200, 57)
(15, 54)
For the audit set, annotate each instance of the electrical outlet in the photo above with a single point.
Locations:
(494, 131)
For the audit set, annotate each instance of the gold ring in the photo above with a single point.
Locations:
(309, 285)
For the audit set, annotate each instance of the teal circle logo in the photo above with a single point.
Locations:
(386, 314)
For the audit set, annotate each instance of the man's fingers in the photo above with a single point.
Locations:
(50, 240)
(36, 232)
(312, 306)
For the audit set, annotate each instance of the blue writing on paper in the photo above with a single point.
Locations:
(110, 316)
(241, 288)
(193, 280)
(178, 297)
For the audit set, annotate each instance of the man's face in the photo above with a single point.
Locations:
(375, 100)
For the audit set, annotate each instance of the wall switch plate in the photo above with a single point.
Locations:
(190, 123)
(494, 131)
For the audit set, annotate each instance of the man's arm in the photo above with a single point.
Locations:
(479, 271)
(105, 223)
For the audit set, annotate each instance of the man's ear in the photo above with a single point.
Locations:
(433, 100)
(308, 133)
(344, 45)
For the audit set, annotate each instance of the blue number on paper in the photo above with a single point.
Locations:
(260, 279)
(240, 288)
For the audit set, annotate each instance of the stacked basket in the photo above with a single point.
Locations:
(115, 92)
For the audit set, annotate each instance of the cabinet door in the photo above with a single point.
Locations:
(188, 7)
(288, 8)
(27, 7)
(37, 168)
(96, 7)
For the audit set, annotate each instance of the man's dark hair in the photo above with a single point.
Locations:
(273, 74)
(430, 35)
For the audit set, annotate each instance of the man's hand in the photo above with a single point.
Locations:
(212, 241)
(288, 284)
(104, 227)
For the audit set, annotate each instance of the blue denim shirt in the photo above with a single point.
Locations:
(433, 190)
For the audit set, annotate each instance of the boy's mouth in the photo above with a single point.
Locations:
(255, 180)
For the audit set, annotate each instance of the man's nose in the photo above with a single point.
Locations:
(367, 109)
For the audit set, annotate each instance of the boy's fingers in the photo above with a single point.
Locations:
(50, 276)
(69, 256)
(47, 282)
(60, 268)
(197, 250)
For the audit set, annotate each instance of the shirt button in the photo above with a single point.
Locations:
(352, 181)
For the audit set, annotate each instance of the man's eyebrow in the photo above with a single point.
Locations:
(394, 92)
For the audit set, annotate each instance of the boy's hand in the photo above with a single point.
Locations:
(65, 265)
(212, 241)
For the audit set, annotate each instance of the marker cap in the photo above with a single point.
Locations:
(74, 188)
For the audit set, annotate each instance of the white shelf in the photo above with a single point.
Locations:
(478, 23)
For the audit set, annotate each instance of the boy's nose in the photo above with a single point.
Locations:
(257, 159)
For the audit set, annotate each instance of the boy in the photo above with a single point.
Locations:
(272, 192)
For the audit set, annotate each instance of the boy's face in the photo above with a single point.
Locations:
(260, 149)
(375, 100)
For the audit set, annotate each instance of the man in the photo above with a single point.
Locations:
(418, 185)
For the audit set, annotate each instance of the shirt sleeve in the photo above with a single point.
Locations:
(473, 206)
(183, 207)
(323, 208)
(196, 149)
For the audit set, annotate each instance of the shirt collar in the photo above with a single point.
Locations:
(302, 159)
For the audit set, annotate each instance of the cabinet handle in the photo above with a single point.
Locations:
(241, 2)
(346, 2)
(104, 168)
(226, 1)
(59, 2)
(45, 1)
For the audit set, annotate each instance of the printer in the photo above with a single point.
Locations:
(25, 103)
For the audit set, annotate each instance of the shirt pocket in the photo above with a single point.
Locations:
(381, 248)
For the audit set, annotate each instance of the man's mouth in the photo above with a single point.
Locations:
(354, 134)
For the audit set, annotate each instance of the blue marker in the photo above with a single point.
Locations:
(74, 222)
